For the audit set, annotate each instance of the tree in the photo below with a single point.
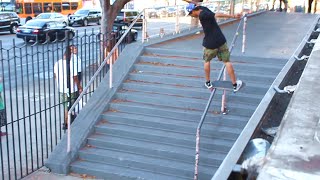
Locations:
(109, 13)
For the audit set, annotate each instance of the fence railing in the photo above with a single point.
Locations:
(31, 107)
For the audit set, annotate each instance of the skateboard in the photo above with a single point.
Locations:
(226, 85)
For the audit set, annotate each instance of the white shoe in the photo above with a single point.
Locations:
(208, 84)
(239, 85)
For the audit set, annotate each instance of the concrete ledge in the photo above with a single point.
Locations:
(295, 153)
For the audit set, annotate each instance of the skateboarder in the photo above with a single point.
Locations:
(214, 42)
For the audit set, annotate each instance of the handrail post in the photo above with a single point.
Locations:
(177, 28)
(110, 71)
(224, 99)
(197, 154)
(69, 133)
(244, 34)
(144, 27)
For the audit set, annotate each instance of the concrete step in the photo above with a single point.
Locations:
(141, 162)
(247, 76)
(184, 102)
(110, 171)
(161, 62)
(197, 55)
(169, 112)
(182, 82)
(186, 125)
(158, 149)
(191, 92)
(211, 136)
(162, 102)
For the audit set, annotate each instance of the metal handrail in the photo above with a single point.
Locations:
(208, 104)
(94, 77)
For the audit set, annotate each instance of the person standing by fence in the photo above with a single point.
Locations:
(68, 95)
(3, 117)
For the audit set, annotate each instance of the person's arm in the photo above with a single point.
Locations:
(221, 15)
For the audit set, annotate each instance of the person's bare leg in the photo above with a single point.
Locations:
(207, 70)
(230, 71)
(66, 116)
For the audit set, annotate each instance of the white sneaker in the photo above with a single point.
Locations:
(239, 85)
(208, 84)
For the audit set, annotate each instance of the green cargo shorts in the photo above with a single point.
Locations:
(65, 99)
(222, 52)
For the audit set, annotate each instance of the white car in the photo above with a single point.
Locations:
(57, 17)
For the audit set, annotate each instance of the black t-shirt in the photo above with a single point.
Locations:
(213, 37)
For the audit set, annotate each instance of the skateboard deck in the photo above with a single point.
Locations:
(227, 85)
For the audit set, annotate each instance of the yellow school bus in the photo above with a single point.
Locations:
(31, 8)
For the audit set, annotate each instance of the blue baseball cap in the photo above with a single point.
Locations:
(190, 7)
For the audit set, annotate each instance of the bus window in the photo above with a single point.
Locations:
(74, 6)
(19, 7)
(37, 8)
(65, 6)
(27, 7)
(57, 7)
(47, 7)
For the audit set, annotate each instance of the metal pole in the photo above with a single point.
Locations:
(197, 154)
(69, 93)
(177, 20)
(244, 34)
(144, 26)
(111, 72)
(223, 101)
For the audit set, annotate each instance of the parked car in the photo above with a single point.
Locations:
(127, 16)
(43, 30)
(153, 13)
(119, 29)
(85, 16)
(9, 21)
(53, 17)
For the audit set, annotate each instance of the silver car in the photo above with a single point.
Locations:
(57, 17)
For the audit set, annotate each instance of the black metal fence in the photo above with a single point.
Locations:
(31, 109)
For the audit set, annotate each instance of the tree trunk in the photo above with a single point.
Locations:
(109, 14)
(310, 5)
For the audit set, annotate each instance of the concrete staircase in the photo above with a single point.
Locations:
(148, 130)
